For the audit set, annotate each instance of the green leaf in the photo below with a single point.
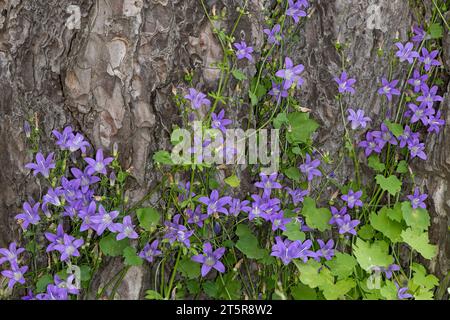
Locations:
(163, 157)
(436, 31)
(395, 213)
(292, 173)
(371, 255)
(381, 222)
(342, 265)
(333, 291)
(366, 232)
(303, 292)
(415, 218)
(313, 274)
(418, 240)
(389, 291)
(148, 218)
(238, 74)
(300, 127)
(375, 164)
(230, 288)
(131, 258)
(390, 184)
(85, 271)
(248, 243)
(233, 181)
(211, 289)
(421, 278)
(316, 218)
(189, 268)
(153, 295)
(293, 231)
(43, 282)
(395, 128)
(253, 98)
(402, 167)
(111, 247)
(279, 120)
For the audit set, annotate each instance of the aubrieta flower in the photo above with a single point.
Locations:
(268, 182)
(279, 221)
(269, 207)
(273, 35)
(417, 199)
(237, 206)
(407, 136)
(11, 254)
(326, 250)
(53, 293)
(390, 269)
(428, 59)
(337, 214)
(55, 239)
(99, 164)
(347, 225)
(185, 190)
(420, 113)
(278, 91)
(295, 10)
(86, 215)
(309, 168)
(416, 148)
(297, 195)
(77, 142)
(67, 284)
(371, 144)
(345, 83)
(257, 210)
(287, 250)
(63, 138)
(30, 215)
(419, 34)
(215, 204)
(435, 122)
(388, 89)
(401, 292)
(418, 81)
(357, 119)
(83, 179)
(197, 99)
(15, 275)
(105, 220)
(150, 251)
(69, 247)
(210, 259)
(429, 96)
(291, 74)
(219, 122)
(178, 232)
(352, 198)
(242, 51)
(42, 165)
(406, 52)
(196, 216)
(386, 136)
(125, 229)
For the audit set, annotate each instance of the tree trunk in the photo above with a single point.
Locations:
(113, 77)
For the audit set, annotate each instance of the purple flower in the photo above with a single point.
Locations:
(30, 215)
(126, 229)
(63, 138)
(257, 209)
(278, 91)
(347, 225)
(417, 199)
(297, 195)
(42, 165)
(210, 259)
(273, 35)
(53, 293)
(29, 296)
(291, 74)
(326, 250)
(309, 168)
(237, 206)
(420, 113)
(336, 214)
(407, 136)
(371, 143)
(86, 215)
(55, 239)
(352, 198)
(419, 34)
(67, 284)
(287, 250)
(279, 221)
(218, 121)
(269, 207)
(401, 292)
(428, 59)
(15, 275)
(416, 148)
(242, 51)
(295, 10)
(196, 216)
(150, 251)
(386, 136)
(185, 189)
(27, 129)
(215, 204)
(390, 269)
(198, 99)
(99, 164)
(268, 182)
(83, 179)
(69, 247)
(178, 232)
(418, 81)
(389, 89)
(345, 84)
(357, 118)
(10, 255)
(77, 142)
(53, 197)
(429, 96)
(406, 53)
(435, 122)
(105, 220)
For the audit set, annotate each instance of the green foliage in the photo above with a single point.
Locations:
(293, 231)
(300, 127)
(131, 258)
(148, 218)
(316, 218)
(111, 247)
(418, 240)
(370, 255)
(382, 223)
(233, 181)
(390, 184)
(415, 218)
(248, 244)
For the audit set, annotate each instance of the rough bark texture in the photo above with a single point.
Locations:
(113, 79)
